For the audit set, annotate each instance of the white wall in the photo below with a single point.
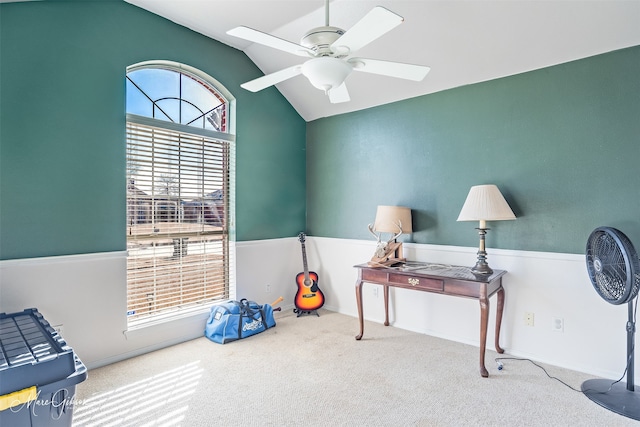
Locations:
(86, 293)
(546, 284)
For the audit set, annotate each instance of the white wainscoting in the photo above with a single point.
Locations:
(549, 285)
(87, 295)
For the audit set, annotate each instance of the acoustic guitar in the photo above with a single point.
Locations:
(309, 297)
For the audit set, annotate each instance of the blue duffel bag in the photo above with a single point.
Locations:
(234, 320)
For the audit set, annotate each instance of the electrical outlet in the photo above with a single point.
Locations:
(557, 324)
(528, 319)
(374, 290)
(267, 288)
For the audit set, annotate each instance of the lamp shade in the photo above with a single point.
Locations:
(388, 218)
(485, 203)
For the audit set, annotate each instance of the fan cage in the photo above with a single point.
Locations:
(613, 265)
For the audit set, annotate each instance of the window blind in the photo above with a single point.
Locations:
(177, 221)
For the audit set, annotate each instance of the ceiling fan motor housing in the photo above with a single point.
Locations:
(328, 48)
(320, 39)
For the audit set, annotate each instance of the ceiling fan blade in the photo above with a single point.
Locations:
(272, 79)
(373, 25)
(389, 68)
(339, 94)
(265, 39)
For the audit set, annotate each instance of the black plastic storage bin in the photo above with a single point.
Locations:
(38, 372)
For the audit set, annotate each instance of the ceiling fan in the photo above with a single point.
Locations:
(329, 49)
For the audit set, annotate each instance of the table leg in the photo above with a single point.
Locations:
(499, 318)
(359, 304)
(386, 305)
(484, 322)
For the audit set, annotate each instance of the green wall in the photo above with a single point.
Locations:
(62, 127)
(562, 143)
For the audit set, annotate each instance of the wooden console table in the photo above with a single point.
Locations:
(441, 279)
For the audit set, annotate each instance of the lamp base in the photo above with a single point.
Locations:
(481, 266)
(393, 255)
(388, 263)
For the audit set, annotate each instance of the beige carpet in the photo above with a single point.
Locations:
(311, 371)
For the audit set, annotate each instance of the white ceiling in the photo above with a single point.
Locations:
(463, 42)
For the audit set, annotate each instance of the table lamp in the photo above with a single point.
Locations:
(390, 219)
(484, 203)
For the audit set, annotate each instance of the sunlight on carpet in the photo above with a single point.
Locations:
(138, 403)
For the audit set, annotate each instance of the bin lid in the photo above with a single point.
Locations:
(32, 352)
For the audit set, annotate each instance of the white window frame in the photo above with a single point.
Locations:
(228, 230)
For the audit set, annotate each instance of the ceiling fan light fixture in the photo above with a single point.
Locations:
(326, 73)
(329, 49)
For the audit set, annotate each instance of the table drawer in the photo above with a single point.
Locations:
(417, 282)
(379, 276)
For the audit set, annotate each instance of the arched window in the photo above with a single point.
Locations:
(179, 167)
(174, 96)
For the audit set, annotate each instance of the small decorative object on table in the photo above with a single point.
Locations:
(389, 219)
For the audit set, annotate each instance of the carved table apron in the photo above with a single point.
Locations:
(441, 279)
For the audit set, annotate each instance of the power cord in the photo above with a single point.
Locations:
(501, 365)
(626, 369)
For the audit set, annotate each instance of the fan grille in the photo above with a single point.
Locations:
(613, 266)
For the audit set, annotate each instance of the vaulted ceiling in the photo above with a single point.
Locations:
(463, 41)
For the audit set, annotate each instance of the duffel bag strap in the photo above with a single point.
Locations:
(245, 308)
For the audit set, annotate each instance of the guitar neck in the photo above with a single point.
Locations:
(304, 263)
